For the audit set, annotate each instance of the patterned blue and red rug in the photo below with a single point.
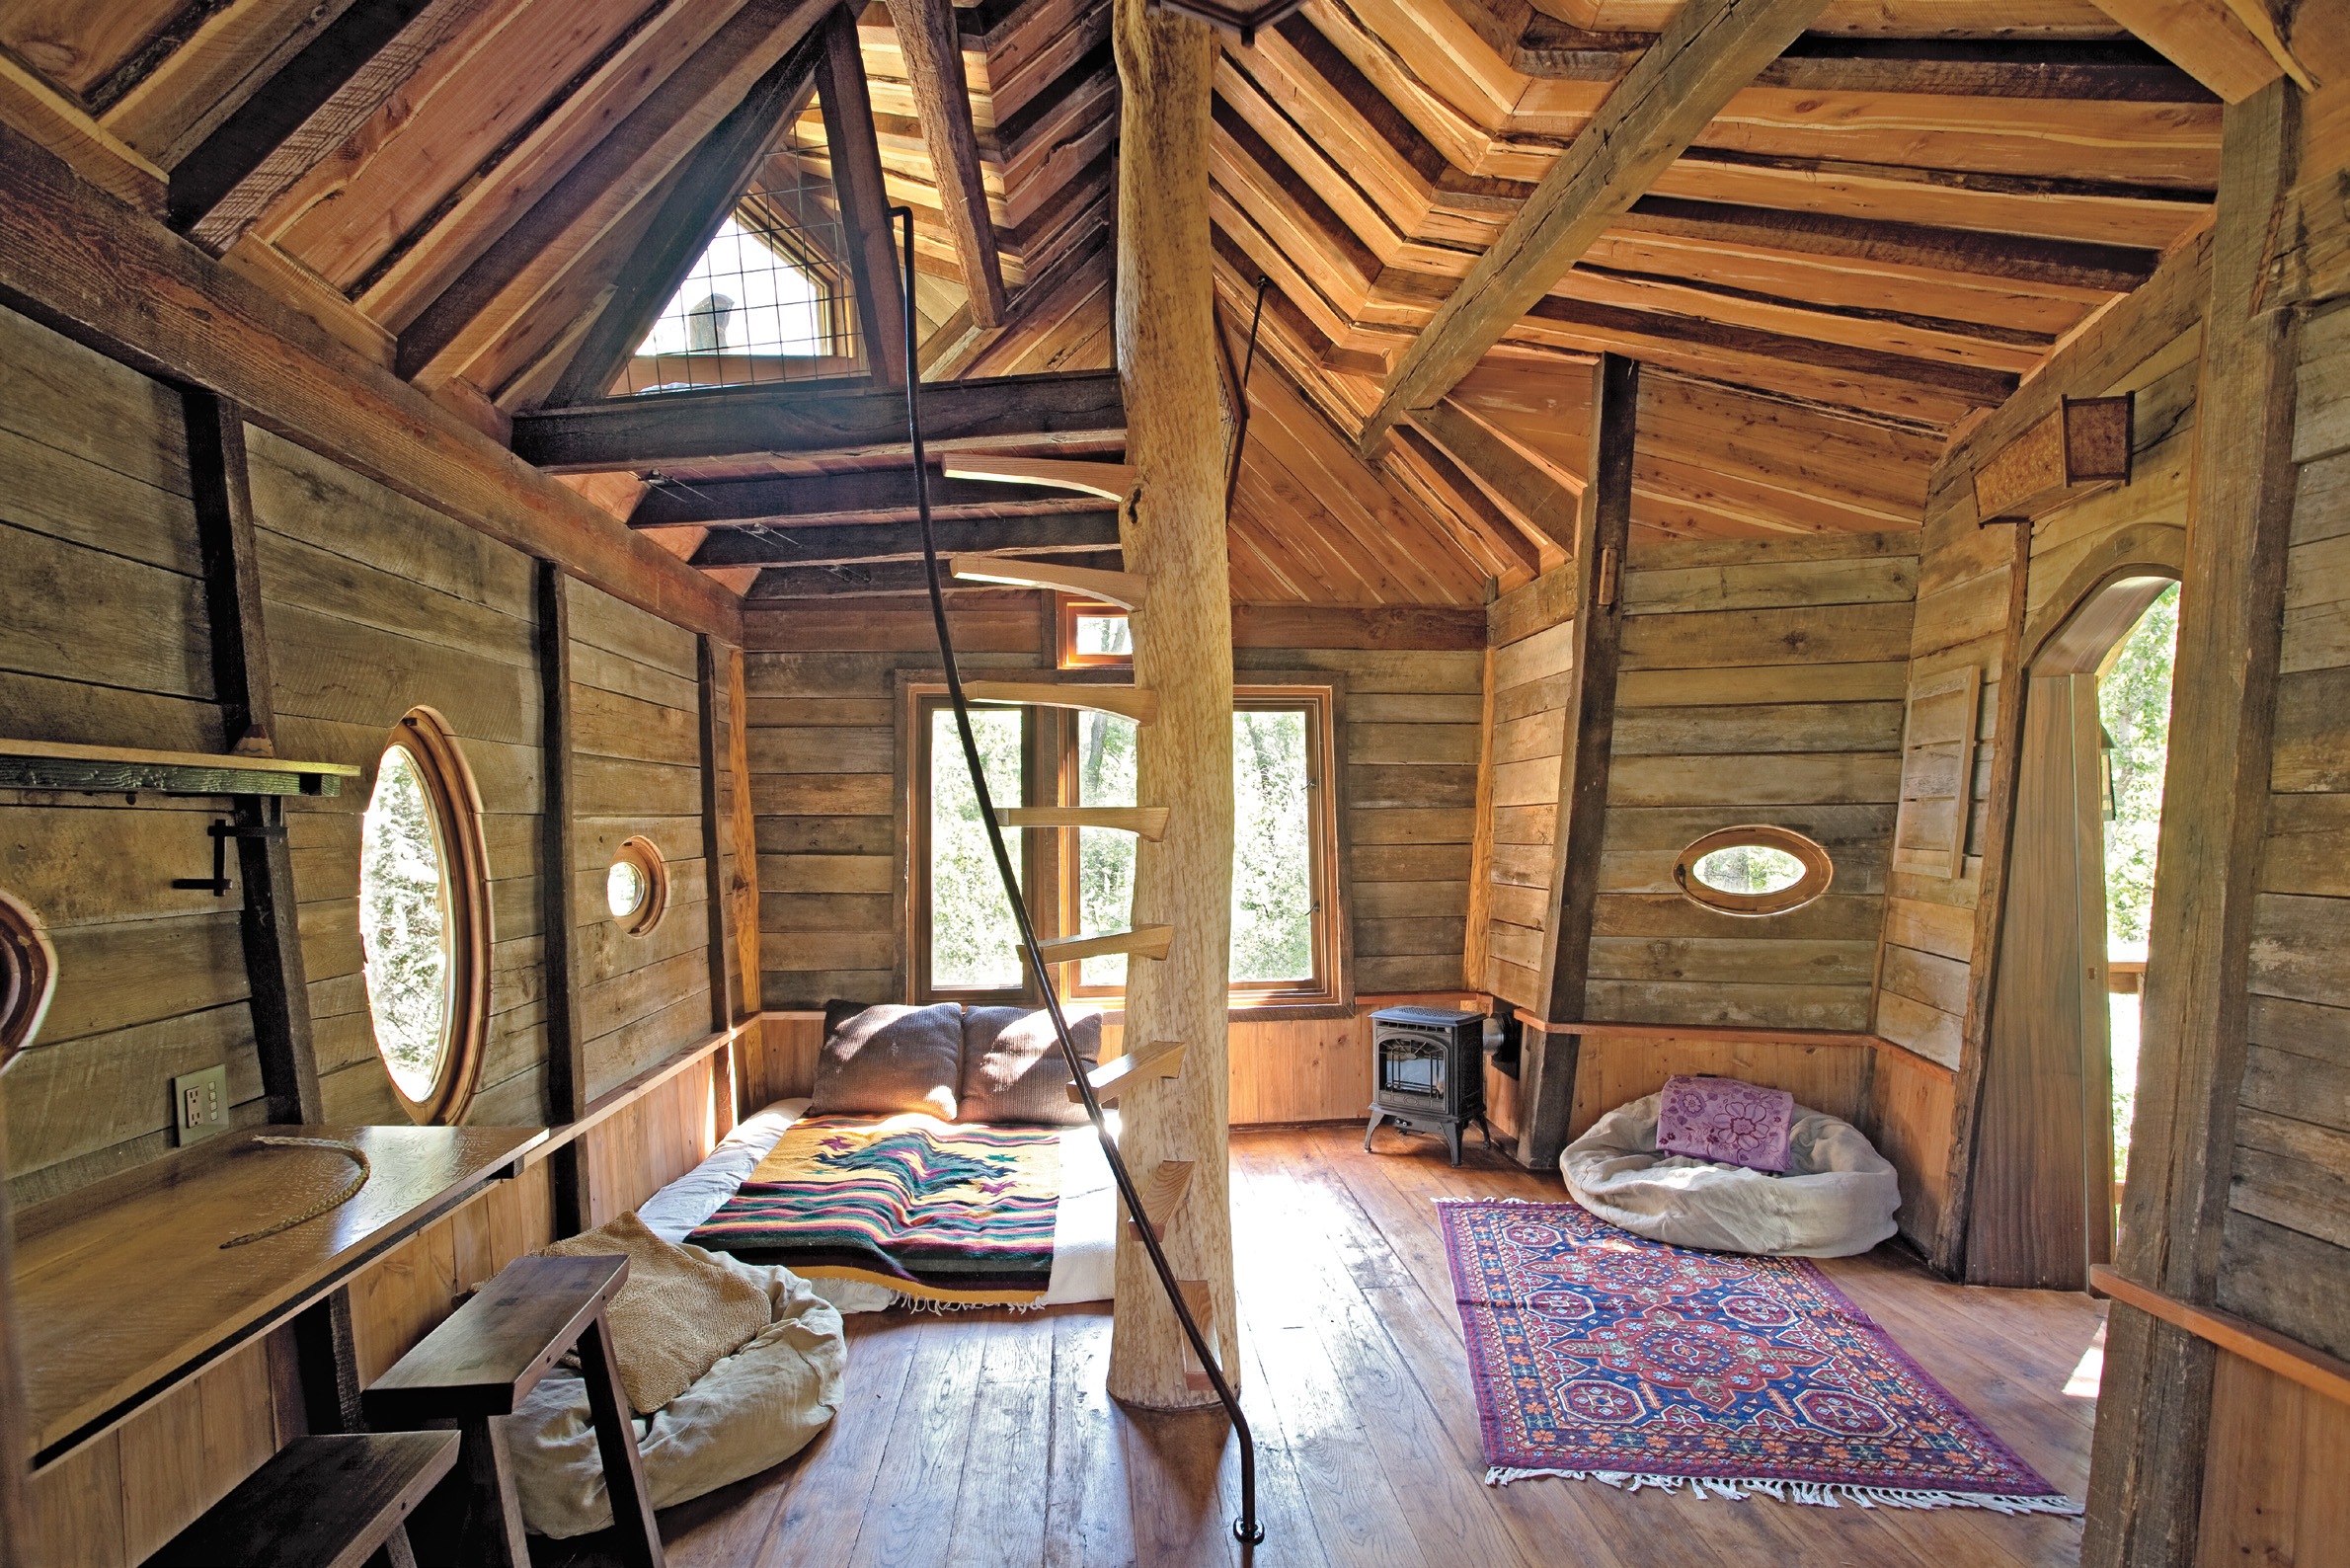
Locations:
(1600, 1355)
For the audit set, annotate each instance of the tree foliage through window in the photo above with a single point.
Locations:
(404, 924)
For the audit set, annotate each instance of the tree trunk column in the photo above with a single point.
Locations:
(1173, 532)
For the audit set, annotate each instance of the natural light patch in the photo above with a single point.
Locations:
(404, 924)
(2134, 704)
(1104, 637)
(974, 945)
(2082, 1385)
(741, 298)
(1748, 868)
(625, 887)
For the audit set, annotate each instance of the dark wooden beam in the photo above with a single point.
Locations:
(868, 494)
(18, 1548)
(894, 579)
(1071, 413)
(840, 543)
(710, 671)
(857, 180)
(1467, 500)
(699, 196)
(933, 53)
(1708, 53)
(1603, 537)
(567, 1049)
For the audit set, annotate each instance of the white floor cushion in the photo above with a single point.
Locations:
(754, 1409)
(1836, 1200)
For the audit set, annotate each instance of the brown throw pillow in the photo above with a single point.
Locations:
(1013, 1070)
(883, 1060)
(676, 1315)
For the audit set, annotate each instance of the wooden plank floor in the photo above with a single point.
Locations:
(985, 1438)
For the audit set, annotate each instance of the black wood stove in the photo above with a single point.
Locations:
(1428, 1072)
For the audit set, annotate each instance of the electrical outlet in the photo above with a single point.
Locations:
(199, 1105)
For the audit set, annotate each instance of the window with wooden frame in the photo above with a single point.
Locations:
(962, 942)
(425, 918)
(1093, 634)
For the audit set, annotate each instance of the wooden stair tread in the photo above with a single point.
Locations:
(1139, 703)
(1162, 1192)
(322, 1502)
(1201, 1298)
(1161, 1058)
(492, 1351)
(1093, 583)
(1144, 941)
(1143, 822)
(1108, 480)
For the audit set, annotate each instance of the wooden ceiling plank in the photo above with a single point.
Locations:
(601, 187)
(306, 110)
(1535, 493)
(37, 111)
(1711, 50)
(166, 103)
(2207, 41)
(1067, 414)
(1466, 501)
(934, 65)
(868, 494)
(833, 544)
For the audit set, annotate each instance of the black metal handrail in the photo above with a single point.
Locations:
(1246, 1527)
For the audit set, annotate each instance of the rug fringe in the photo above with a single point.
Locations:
(1814, 1494)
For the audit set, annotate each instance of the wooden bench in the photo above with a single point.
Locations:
(325, 1502)
(480, 1364)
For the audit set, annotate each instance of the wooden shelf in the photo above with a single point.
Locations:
(117, 769)
(124, 1288)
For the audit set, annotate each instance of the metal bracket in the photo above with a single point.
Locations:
(217, 883)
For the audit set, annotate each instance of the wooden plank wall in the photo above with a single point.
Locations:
(636, 748)
(1530, 629)
(1762, 683)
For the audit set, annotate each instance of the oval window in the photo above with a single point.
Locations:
(1754, 870)
(425, 918)
(637, 887)
(27, 976)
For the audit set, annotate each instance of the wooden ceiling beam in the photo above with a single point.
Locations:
(1067, 414)
(888, 579)
(2209, 40)
(1516, 480)
(1711, 50)
(868, 495)
(933, 53)
(863, 198)
(696, 199)
(601, 188)
(840, 543)
(1466, 500)
(307, 110)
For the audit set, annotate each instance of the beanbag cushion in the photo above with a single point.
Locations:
(1836, 1200)
(886, 1060)
(1013, 1070)
(753, 1410)
(676, 1315)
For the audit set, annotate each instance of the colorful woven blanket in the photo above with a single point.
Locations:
(938, 1210)
(1598, 1356)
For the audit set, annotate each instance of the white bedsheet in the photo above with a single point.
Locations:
(1084, 1227)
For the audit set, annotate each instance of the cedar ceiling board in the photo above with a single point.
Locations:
(1036, 45)
(1330, 318)
(1287, 211)
(2054, 19)
(413, 265)
(565, 302)
(433, 135)
(76, 45)
(1326, 169)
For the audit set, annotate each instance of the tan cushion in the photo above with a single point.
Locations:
(676, 1316)
(888, 1060)
(1013, 1070)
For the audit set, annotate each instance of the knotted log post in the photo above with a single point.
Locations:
(1173, 532)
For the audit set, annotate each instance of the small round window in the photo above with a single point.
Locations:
(637, 887)
(28, 975)
(1754, 870)
(425, 918)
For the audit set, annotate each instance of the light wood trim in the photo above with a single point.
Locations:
(1143, 822)
(215, 761)
(1161, 1058)
(2208, 39)
(2287, 1358)
(1162, 1192)
(1121, 588)
(31, 106)
(1819, 871)
(1138, 703)
(1144, 941)
(1110, 481)
(621, 1096)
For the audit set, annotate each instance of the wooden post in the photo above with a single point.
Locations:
(2146, 1475)
(857, 184)
(17, 1547)
(566, 1060)
(743, 882)
(1603, 535)
(1173, 531)
(722, 1005)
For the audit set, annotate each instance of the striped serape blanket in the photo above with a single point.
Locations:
(939, 1210)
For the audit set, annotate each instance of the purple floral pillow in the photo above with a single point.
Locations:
(1722, 1119)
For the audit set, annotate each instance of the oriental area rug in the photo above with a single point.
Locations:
(1600, 1355)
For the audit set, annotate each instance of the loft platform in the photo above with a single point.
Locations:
(126, 1285)
(114, 769)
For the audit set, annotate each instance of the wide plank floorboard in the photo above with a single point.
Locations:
(986, 1438)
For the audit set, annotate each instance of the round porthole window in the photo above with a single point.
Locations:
(425, 918)
(637, 887)
(1754, 870)
(27, 976)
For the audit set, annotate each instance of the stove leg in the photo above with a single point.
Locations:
(1453, 1139)
(1376, 1117)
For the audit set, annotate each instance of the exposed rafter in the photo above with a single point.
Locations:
(887, 579)
(933, 51)
(837, 543)
(864, 201)
(871, 495)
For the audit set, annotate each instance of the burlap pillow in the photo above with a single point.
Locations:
(676, 1317)
(885, 1061)
(1013, 1070)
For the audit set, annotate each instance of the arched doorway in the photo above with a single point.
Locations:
(2042, 1207)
